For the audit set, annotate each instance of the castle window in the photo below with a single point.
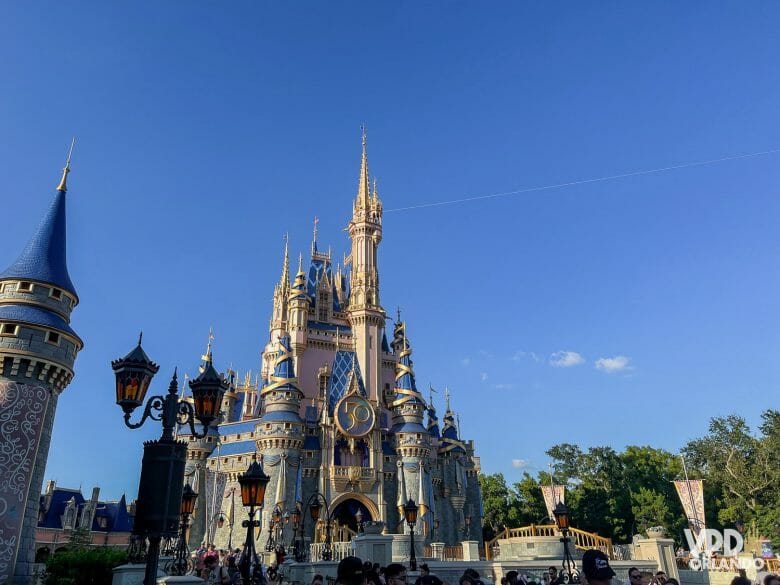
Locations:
(387, 459)
(287, 426)
(238, 437)
(309, 454)
(25, 287)
(9, 329)
(52, 337)
(103, 522)
(55, 293)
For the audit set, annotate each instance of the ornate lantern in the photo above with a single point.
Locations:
(133, 373)
(410, 512)
(207, 392)
(314, 510)
(253, 483)
(188, 497)
(561, 513)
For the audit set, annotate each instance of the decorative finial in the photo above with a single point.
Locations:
(314, 241)
(398, 309)
(140, 337)
(447, 398)
(364, 185)
(285, 280)
(207, 358)
(431, 391)
(300, 263)
(63, 182)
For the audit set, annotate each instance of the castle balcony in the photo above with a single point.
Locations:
(361, 478)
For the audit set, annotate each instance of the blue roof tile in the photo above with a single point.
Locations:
(44, 258)
(35, 316)
(408, 427)
(338, 384)
(59, 500)
(235, 448)
(234, 428)
(281, 416)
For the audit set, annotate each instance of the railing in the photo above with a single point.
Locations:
(582, 540)
(773, 565)
(338, 532)
(339, 550)
(453, 553)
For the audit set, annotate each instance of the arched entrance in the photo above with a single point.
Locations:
(346, 513)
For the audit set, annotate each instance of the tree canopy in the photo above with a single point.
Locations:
(619, 494)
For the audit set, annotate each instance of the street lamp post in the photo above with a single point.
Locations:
(313, 503)
(561, 513)
(269, 544)
(466, 525)
(162, 468)
(181, 559)
(296, 516)
(410, 514)
(253, 483)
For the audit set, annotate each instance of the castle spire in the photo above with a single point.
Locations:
(44, 259)
(285, 280)
(63, 182)
(314, 239)
(364, 185)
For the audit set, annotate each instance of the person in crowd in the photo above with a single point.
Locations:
(634, 576)
(213, 573)
(317, 579)
(395, 574)
(350, 572)
(772, 579)
(595, 567)
(555, 577)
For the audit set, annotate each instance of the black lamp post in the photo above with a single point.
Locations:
(561, 513)
(162, 469)
(253, 483)
(269, 544)
(181, 558)
(359, 518)
(410, 514)
(296, 516)
(313, 503)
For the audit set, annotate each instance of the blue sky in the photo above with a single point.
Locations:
(206, 131)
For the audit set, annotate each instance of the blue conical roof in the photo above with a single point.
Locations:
(44, 259)
(405, 384)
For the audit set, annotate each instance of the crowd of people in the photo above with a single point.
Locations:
(220, 567)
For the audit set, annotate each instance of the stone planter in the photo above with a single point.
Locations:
(374, 527)
(656, 532)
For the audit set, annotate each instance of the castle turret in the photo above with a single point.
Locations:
(38, 348)
(365, 312)
(280, 434)
(281, 295)
(412, 441)
(298, 312)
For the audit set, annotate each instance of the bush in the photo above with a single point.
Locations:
(83, 566)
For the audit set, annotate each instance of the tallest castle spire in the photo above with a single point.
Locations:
(364, 185)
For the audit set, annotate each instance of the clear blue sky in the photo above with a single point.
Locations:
(205, 131)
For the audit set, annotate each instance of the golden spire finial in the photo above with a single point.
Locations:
(314, 239)
(285, 281)
(63, 182)
(447, 397)
(398, 309)
(364, 187)
(207, 358)
(300, 263)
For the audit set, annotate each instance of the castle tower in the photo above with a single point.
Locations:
(280, 435)
(298, 312)
(37, 352)
(365, 312)
(412, 440)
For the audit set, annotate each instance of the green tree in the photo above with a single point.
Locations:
(649, 509)
(531, 508)
(499, 504)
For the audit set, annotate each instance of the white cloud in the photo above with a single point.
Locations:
(483, 376)
(485, 353)
(519, 463)
(610, 365)
(465, 362)
(503, 386)
(566, 359)
(520, 354)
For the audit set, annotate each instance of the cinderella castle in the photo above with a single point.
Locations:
(335, 410)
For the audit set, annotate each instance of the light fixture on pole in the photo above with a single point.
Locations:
(561, 513)
(359, 518)
(181, 565)
(410, 514)
(253, 483)
(313, 503)
(158, 508)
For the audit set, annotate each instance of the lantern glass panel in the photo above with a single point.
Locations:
(561, 513)
(314, 510)
(410, 512)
